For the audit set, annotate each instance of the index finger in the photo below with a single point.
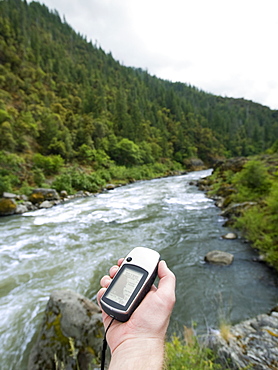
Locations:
(120, 261)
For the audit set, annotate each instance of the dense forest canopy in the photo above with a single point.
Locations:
(63, 100)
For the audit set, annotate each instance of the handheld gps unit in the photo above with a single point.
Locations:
(131, 283)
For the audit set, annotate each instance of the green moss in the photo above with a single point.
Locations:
(36, 198)
(7, 206)
(56, 324)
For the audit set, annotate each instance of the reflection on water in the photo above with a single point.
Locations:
(73, 245)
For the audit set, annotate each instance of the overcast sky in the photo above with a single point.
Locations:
(226, 47)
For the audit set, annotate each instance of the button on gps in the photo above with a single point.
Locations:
(129, 259)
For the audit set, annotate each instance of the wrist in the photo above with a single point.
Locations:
(134, 353)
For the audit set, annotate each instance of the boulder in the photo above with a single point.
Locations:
(24, 197)
(204, 184)
(232, 164)
(7, 207)
(30, 206)
(21, 208)
(71, 334)
(195, 164)
(193, 183)
(46, 204)
(64, 194)
(41, 194)
(229, 236)
(9, 195)
(110, 186)
(219, 257)
(251, 344)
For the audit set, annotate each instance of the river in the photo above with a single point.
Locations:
(72, 245)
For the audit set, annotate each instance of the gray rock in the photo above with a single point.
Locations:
(9, 195)
(250, 344)
(46, 204)
(195, 164)
(71, 334)
(30, 206)
(219, 257)
(63, 194)
(219, 201)
(110, 186)
(230, 236)
(79, 194)
(21, 208)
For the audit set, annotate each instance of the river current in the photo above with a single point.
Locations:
(71, 246)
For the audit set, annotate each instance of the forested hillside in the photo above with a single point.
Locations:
(64, 102)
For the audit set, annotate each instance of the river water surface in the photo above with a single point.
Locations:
(72, 245)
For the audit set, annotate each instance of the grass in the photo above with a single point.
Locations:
(188, 353)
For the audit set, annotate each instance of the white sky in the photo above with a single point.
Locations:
(226, 47)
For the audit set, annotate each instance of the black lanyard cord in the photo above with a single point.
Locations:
(104, 346)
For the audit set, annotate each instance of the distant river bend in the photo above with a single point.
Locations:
(73, 245)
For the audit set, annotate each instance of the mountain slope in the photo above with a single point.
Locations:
(63, 97)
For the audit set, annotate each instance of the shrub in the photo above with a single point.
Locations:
(118, 172)
(127, 153)
(252, 182)
(10, 163)
(25, 188)
(5, 184)
(181, 354)
(63, 182)
(259, 224)
(75, 179)
(38, 176)
(104, 175)
(49, 164)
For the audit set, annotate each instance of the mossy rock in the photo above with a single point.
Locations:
(227, 201)
(36, 198)
(235, 164)
(71, 334)
(7, 207)
(41, 194)
(225, 190)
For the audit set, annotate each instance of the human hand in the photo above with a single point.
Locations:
(148, 323)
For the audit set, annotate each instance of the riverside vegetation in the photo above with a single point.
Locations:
(73, 118)
(247, 191)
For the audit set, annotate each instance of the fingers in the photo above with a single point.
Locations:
(113, 270)
(100, 294)
(167, 282)
(120, 261)
(106, 279)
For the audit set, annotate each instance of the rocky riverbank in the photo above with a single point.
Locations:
(222, 196)
(72, 332)
(251, 344)
(254, 342)
(11, 204)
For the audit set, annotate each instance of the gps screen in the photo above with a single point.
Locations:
(124, 286)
